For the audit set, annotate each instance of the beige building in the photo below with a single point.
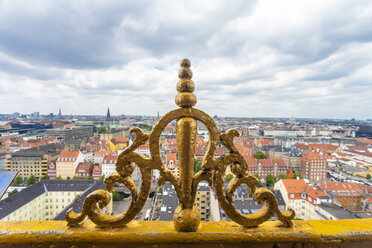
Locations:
(116, 133)
(202, 201)
(302, 198)
(47, 199)
(32, 161)
(67, 162)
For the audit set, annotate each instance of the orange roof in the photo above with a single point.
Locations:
(316, 156)
(171, 156)
(253, 162)
(68, 154)
(102, 153)
(342, 188)
(365, 140)
(321, 146)
(110, 159)
(301, 146)
(70, 125)
(298, 186)
(119, 140)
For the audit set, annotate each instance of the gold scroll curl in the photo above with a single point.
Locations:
(241, 176)
(98, 199)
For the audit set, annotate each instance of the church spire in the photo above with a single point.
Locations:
(108, 116)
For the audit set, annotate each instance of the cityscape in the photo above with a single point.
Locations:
(49, 163)
(193, 123)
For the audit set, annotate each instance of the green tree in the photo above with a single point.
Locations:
(74, 178)
(13, 192)
(59, 177)
(102, 178)
(270, 180)
(259, 155)
(68, 178)
(282, 176)
(102, 130)
(368, 176)
(115, 196)
(197, 166)
(258, 177)
(31, 180)
(229, 177)
(297, 174)
(44, 177)
(18, 180)
(89, 177)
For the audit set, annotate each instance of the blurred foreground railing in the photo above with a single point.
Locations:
(312, 233)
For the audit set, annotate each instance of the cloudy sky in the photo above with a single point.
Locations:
(249, 58)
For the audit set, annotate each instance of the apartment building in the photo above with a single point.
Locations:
(67, 162)
(32, 161)
(293, 160)
(202, 201)
(83, 170)
(348, 195)
(70, 132)
(302, 197)
(172, 163)
(109, 165)
(52, 170)
(264, 167)
(314, 167)
(46, 199)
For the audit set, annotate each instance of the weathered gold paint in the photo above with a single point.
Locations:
(186, 139)
(342, 233)
(186, 187)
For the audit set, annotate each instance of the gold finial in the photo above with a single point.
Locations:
(186, 217)
(185, 86)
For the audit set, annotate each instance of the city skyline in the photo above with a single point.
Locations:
(265, 58)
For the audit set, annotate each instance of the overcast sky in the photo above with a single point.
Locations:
(249, 58)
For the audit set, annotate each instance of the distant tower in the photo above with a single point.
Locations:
(59, 115)
(108, 116)
(158, 115)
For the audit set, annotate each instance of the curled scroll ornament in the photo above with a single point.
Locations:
(212, 170)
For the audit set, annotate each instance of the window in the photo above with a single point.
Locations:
(291, 195)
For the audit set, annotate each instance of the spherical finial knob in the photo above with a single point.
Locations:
(185, 63)
(185, 86)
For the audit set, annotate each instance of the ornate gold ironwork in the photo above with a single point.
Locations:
(186, 216)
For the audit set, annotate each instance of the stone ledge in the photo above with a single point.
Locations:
(312, 233)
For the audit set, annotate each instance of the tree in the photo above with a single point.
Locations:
(296, 174)
(259, 155)
(31, 180)
(115, 196)
(13, 192)
(74, 178)
(369, 176)
(282, 176)
(102, 130)
(59, 177)
(44, 177)
(89, 177)
(270, 180)
(258, 177)
(102, 178)
(229, 177)
(18, 180)
(197, 166)
(68, 178)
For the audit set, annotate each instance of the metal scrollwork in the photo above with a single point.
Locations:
(186, 216)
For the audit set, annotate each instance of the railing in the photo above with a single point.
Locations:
(271, 234)
(186, 229)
